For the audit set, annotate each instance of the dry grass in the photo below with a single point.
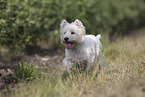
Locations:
(123, 76)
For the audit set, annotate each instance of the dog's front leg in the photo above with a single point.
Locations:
(67, 64)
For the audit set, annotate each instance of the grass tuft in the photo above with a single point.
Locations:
(26, 71)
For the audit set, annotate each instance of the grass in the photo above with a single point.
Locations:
(123, 76)
(26, 71)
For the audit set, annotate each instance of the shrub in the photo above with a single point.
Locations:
(24, 23)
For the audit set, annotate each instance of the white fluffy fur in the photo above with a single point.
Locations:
(86, 49)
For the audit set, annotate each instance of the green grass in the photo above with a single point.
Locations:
(123, 76)
(26, 71)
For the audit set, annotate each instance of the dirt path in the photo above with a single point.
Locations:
(39, 57)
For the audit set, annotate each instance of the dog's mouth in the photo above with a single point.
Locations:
(69, 45)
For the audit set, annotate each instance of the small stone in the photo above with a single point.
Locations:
(44, 59)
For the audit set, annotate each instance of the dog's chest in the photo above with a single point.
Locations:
(80, 55)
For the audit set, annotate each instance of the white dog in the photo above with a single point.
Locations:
(79, 48)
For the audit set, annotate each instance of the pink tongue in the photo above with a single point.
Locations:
(68, 45)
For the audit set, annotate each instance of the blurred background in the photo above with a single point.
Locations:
(29, 24)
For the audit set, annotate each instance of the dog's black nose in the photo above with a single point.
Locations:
(66, 38)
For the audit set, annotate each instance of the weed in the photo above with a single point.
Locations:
(26, 71)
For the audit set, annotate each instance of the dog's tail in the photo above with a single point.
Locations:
(98, 36)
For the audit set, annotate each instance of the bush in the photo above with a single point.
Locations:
(23, 23)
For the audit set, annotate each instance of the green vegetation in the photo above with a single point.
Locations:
(23, 23)
(26, 71)
(123, 76)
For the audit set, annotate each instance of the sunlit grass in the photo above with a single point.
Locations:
(123, 75)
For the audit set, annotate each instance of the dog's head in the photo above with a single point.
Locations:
(72, 34)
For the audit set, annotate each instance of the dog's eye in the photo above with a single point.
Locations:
(64, 33)
(72, 32)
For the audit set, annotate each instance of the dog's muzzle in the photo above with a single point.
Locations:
(68, 44)
(66, 38)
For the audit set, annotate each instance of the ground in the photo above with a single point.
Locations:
(123, 76)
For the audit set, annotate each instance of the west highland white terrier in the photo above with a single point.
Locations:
(82, 49)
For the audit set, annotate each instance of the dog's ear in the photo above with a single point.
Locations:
(79, 23)
(63, 23)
